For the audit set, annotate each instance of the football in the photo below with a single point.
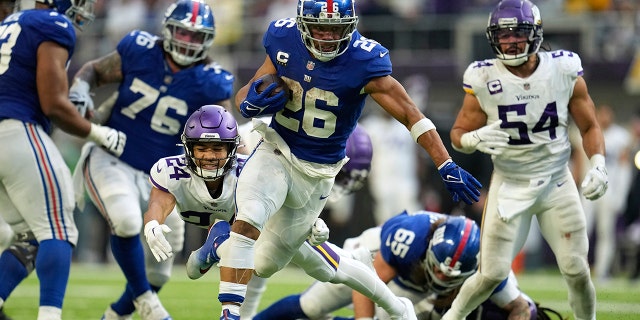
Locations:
(268, 79)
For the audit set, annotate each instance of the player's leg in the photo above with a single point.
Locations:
(563, 226)
(255, 289)
(261, 190)
(328, 263)
(500, 241)
(39, 206)
(112, 187)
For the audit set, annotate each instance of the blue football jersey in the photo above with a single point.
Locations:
(327, 97)
(404, 242)
(20, 36)
(154, 103)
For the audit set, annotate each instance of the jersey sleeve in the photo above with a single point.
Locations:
(568, 63)
(220, 79)
(159, 176)
(475, 76)
(134, 46)
(51, 26)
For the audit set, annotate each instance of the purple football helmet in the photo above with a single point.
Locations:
(80, 12)
(353, 174)
(519, 18)
(327, 14)
(194, 19)
(453, 251)
(210, 123)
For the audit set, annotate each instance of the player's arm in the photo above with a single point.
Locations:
(267, 67)
(395, 100)
(95, 73)
(362, 306)
(52, 86)
(101, 71)
(470, 117)
(161, 203)
(582, 110)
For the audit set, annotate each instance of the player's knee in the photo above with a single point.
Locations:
(157, 279)
(265, 267)
(313, 307)
(246, 229)
(573, 265)
(127, 228)
(322, 273)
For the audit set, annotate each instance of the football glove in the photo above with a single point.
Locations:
(319, 233)
(460, 183)
(488, 139)
(595, 183)
(160, 247)
(80, 96)
(256, 104)
(109, 138)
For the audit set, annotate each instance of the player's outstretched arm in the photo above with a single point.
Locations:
(393, 98)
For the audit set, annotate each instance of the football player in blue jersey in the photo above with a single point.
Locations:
(517, 107)
(329, 69)
(425, 256)
(162, 80)
(36, 192)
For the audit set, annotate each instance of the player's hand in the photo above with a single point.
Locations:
(596, 182)
(319, 233)
(80, 96)
(160, 247)
(488, 139)
(109, 138)
(256, 104)
(460, 183)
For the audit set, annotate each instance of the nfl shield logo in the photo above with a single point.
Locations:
(310, 65)
(527, 86)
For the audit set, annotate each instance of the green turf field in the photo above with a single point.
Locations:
(92, 288)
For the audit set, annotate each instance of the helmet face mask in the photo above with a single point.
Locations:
(452, 255)
(80, 12)
(514, 31)
(210, 130)
(188, 31)
(326, 26)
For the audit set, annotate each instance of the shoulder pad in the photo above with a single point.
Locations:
(476, 74)
(567, 62)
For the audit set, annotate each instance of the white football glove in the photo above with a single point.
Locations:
(160, 247)
(488, 139)
(596, 182)
(109, 138)
(319, 233)
(80, 96)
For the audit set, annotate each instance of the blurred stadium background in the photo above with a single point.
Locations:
(431, 43)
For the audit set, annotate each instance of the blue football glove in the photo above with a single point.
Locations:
(460, 183)
(256, 104)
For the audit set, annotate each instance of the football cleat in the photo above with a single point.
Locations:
(228, 315)
(201, 260)
(110, 314)
(150, 308)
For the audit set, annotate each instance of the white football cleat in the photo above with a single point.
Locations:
(150, 308)
(110, 314)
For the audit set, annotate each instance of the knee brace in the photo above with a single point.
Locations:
(26, 253)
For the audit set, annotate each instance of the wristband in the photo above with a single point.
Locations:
(597, 160)
(421, 127)
(444, 163)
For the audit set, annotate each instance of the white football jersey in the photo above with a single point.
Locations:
(193, 201)
(534, 111)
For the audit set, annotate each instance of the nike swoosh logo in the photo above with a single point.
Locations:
(203, 271)
(228, 77)
(158, 169)
(382, 54)
(560, 184)
(62, 24)
(324, 197)
(450, 177)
